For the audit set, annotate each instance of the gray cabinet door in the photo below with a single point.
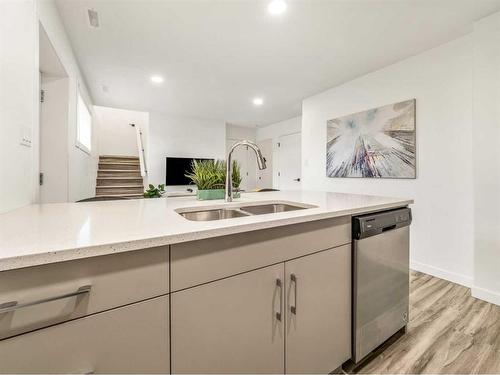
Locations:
(230, 325)
(318, 330)
(130, 339)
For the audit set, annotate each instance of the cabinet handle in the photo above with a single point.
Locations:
(279, 284)
(293, 279)
(15, 305)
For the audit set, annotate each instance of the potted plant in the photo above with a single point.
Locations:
(210, 178)
(154, 192)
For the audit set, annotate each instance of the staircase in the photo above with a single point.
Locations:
(119, 176)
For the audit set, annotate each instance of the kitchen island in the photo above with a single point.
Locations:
(134, 286)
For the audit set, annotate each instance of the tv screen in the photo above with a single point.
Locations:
(176, 170)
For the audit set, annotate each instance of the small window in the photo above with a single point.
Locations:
(84, 126)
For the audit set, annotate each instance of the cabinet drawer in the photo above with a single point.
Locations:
(206, 260)
(131, 339)
(47, 291)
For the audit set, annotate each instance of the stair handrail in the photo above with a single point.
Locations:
(142, 154)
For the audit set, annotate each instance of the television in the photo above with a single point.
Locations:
(177, 168)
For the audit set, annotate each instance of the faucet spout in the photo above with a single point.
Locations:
(261, 163)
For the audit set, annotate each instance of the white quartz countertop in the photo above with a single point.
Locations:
(49, 233)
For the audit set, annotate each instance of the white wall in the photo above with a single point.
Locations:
(487, 159)
(18, 103)
(237, 133)
(82, 167)
(274, 132)
(116, 136)
(187, 137)
(441, 81)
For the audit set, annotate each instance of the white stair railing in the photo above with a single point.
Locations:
(142, 154)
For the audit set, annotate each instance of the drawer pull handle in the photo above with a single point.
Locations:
(293, 308)
(15, 305)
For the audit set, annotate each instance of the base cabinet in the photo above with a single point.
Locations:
(130, 339)
(263, 302)
(230, 325)
(318, 311)
(266, 321)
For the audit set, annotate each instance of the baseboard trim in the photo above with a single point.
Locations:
(479, 293)
(442, 274)
(486, 295)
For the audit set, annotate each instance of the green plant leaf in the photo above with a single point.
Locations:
(154, 192)
(210, 174)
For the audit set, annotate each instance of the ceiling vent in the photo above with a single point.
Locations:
(93, 18)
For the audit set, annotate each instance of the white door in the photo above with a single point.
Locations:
(265, 176)
(289, 167)
(53, 140)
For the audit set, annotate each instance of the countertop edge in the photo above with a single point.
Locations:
(31, 260)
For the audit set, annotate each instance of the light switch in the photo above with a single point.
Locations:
(26, 136)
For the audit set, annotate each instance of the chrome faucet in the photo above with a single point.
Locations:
(261, 163)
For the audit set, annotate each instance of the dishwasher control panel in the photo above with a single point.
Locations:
(372, 224)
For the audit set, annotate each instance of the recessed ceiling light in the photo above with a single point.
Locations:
(156, 79)
(258, 101)
(276, 7)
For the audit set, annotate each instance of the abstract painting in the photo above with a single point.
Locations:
(378, 143)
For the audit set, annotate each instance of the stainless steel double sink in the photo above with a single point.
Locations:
(240, 211)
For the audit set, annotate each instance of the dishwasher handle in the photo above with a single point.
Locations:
(389, 227)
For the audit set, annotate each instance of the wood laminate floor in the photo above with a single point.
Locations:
(449, 332)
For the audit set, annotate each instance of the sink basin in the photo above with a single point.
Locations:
(208, 215)
(262, 209)
(219, 213)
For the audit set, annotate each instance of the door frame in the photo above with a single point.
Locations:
(50, 68)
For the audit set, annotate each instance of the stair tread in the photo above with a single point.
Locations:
(124, 161)
(122, 195)
(117, 170)
(119, 178)
(119, 158)
(105, 164)
(119, 186)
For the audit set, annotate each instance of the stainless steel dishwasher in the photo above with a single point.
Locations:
(381, 244)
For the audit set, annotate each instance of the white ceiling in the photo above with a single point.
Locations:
(216, 56)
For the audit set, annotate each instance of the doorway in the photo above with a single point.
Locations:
(54, 116)
(289, 162)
